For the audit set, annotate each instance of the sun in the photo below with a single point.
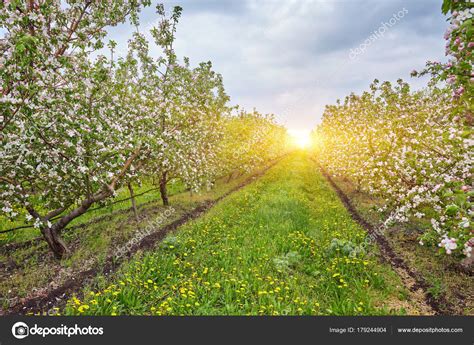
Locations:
(300, 137)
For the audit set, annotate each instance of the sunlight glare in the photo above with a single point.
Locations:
(300, 137)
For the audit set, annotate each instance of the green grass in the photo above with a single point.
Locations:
(268, 249)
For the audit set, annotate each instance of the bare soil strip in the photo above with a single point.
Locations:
(412, 279)
(58, 296)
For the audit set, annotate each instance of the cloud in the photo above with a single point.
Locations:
(291, 57)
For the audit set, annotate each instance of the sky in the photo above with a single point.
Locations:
(292, 57)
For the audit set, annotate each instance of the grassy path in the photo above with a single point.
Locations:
(281, 245)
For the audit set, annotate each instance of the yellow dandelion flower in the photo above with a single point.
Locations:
(76, 301)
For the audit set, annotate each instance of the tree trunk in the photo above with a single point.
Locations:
(230, 177)
(132, 198)
(163, 190)
(55, 243)
(51, 234)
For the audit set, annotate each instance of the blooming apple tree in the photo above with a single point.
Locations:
(409, 148)
(458, 71)
(68, 123)
(250, 139)
(185, 105)
(415, 149)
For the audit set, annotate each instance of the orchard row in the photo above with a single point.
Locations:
(78, 124)
(414, 149)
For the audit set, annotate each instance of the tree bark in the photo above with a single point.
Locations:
(132, 198)
(230, 176)
(55, 243)
(163, 189)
